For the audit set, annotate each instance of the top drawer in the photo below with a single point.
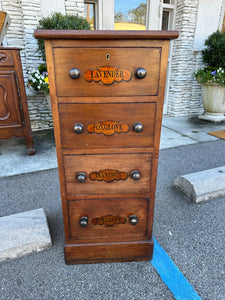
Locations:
(107, 71)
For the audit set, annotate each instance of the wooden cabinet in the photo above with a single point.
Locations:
(14, 117)
(107, 91)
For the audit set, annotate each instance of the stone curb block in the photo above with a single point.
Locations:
(23, 233)
(202, 186)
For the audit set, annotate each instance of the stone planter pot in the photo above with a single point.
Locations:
(213, 100)
(47, 96)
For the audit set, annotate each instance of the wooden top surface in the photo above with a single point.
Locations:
(105, 34)
(9, 48)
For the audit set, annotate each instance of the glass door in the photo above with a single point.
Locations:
(130, 15)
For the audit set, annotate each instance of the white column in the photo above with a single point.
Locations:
(208, 21)
(50, 6)
(107, 14)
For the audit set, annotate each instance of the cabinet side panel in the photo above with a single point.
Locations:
(55, 114)
(158, 124)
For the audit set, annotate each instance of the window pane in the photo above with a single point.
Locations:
(130, 15)
(166, 1)
(165, 20)
(89, 10)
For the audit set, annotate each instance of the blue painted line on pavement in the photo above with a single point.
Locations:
(171, 275)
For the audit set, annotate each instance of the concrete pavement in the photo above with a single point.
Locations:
(191, 234)
(176, 131)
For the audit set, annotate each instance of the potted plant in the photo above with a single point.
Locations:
(38, 77)
(38, 80)
(212, 77)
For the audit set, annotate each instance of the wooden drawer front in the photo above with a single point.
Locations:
(109, 71)
(6, 59)
(107, 125)
(108, 218)
(107, 173)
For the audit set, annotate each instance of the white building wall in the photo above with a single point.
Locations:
(184, 92)
(24, 15)
(185, 95)
(75, 7)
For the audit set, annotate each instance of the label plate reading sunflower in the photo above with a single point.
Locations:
(108, 128)
(108, 75)
(108, 175)
(109, 220)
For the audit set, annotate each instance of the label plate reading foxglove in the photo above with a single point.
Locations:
(108, 128)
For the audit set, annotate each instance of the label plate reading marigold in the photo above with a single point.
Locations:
(108, 75)
(109, 220)
(108, 128)
(108, 175)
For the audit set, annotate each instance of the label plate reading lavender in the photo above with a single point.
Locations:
(107, 75)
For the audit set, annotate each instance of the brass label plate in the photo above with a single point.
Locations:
(108, 128)
(108, 175)
(107, 75)
(109, 220)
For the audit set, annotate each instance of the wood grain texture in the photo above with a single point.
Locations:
(87, 114)
(106, 34)
(108, 207)
(108, 252)
(9, 107)
(6, 57)
(129, 58)
(14, 115)
(122, 162)
(107, 155)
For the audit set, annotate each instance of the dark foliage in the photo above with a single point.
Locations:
(214, 53)
(57, 21)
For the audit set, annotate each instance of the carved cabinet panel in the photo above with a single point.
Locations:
(107, 92)
(9, 105)
(14, 117)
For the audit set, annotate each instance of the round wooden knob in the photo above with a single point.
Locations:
(74, 73)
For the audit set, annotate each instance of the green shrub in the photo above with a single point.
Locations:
(213, 57)
(57, 21)
(214, 53)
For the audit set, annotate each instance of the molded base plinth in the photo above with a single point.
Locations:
(212, 117)
(108, 252)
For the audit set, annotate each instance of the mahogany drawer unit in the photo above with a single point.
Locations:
(108, 220)
(103, 174)
(120, 125)
(107, 90)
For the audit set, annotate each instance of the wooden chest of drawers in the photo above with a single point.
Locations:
(107, 91)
